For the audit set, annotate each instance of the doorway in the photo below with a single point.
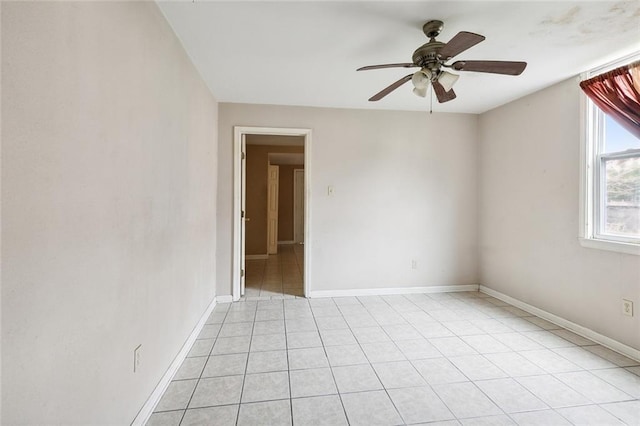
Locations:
(245, 215)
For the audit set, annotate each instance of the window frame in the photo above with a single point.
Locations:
(592, 180)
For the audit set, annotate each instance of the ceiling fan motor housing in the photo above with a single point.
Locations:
(426, 56)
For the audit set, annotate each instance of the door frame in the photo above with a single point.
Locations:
(296, 213)
(238, 241)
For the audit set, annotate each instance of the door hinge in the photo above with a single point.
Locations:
(243, 156)
(241, 272)
(242, 214)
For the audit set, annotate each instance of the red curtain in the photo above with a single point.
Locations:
(614, 93)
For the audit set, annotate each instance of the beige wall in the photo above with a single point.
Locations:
(108, 207)
(383, 165)
(285, 202)
(529, 189)
(256, 198)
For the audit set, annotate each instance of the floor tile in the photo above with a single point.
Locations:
(231, 345)
(584, 358)
(477, 367)
(307, 358)
(611, 356)
(552, 391)
(589, 415)
(514, 364)
(268, 342)
(452, 346)
(346, 355)
(356, 378)
(337, 337)
(233, 329)
(540, 418)
(272, 413)
(225, 365)
(209, 331)
(399, 374)
(217, 391)
(628, 412)
(417, 349)
(201, 348)
(572, 337)
(297, 325)
(268, 327)
(485, 344)
(331, 323)
(466, 400)
(211, 416)
(265, 386)
(594, 388)
(517, 342)
(268, 361)
(370, 335)
(419, 405)
(501, 420)
(510, 396)
(550, 361)
(312, 382)
(622, 379)
(402, 332)
(318, 411)
(304, 339)
(382, 352)
(166, 418)
(370, 409)
(177, 395)
(191, 368)
(438, 371)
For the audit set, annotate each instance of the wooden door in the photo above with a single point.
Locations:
(272, 209)
(298, 205)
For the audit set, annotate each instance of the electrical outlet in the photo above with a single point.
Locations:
(414, 264)
(627, 307)
(137, 358)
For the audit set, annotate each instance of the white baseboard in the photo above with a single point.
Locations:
(147, 409)
(286, 242)
(256, 256)
(392, 290)
(224, 299)
(576, 328)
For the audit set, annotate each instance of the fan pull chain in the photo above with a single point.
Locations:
(431, 100)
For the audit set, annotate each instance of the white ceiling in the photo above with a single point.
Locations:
(306, 53)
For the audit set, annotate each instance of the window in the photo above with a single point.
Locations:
(611, 180)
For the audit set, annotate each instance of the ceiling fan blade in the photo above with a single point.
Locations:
(441, 94)
(377, 67)
(459, 43)
(384, 92)
(494, 67)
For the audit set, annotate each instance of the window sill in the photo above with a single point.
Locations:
(620, 247)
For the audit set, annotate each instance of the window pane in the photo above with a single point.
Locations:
(617, 138)
(622, 198)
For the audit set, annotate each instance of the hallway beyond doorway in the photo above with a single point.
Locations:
(279, 276)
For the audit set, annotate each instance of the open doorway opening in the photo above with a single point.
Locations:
(271, 212)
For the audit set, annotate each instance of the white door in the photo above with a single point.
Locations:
(272, 209)
(243, 210)
(298, 205)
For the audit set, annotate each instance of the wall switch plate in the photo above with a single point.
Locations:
(627, 307)
(330, 190)
(137, 358)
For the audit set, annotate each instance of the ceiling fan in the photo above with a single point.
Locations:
(431, 57)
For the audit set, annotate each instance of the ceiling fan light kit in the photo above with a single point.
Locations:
(432, 57)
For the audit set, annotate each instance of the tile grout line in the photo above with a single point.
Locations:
(203, 367)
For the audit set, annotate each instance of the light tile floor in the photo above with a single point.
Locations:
(279, 275)
(451, 358)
